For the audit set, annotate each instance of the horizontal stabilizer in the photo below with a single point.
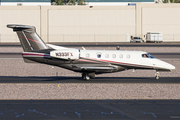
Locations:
(19, 27)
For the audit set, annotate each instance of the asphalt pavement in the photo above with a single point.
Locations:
(90, 109)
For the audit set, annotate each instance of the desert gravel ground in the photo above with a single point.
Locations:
(89, 91)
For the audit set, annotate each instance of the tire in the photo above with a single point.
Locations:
(87, 77)
(157, 77)
(83, 76)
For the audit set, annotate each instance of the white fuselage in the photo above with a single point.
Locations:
(91, 62)
(131, 58)
(134, 59)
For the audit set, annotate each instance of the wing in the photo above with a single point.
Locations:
(97, 68)
(107, 69)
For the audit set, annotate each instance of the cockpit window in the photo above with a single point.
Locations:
(144, 56)
(147, 56)
(150, 56)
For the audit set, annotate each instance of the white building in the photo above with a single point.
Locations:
(25, 2)
(115, 2)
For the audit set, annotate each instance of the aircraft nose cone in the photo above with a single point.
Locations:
(171, 67)
(164, 65)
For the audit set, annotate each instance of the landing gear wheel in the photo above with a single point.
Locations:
(85, 76)
(157, 75)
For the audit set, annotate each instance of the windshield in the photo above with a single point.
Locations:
(147, 56)
(137, 38)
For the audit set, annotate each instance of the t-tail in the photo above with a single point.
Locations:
(28, 37)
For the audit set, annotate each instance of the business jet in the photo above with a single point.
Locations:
(87, 62)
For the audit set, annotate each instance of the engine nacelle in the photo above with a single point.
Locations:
(65, 54)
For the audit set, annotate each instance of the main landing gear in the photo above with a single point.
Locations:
(88, 76)
(157, 75)
(85, 76)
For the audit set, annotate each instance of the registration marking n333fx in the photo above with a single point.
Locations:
(64, 54)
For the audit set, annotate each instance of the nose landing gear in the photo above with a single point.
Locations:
(157, 75)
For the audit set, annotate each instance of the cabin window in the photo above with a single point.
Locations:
(120, 56)
(87, 55)
(98, 55)
(107, 55)
(128, 56)
(113, 55)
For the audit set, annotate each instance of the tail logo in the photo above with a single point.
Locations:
(32, 40)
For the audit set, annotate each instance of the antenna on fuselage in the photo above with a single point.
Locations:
(117, 48)
(83, 48)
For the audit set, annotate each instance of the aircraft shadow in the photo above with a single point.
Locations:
(64, 79)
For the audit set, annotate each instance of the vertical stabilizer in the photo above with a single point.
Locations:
(28, 37)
